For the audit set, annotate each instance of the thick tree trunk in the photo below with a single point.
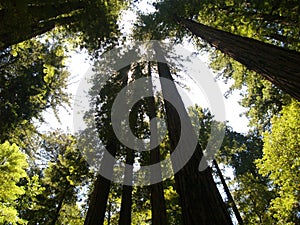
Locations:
(228, 194)
(15, 38)
(20, 24)
(157, 199)
(200, 199)
(98, 200)
(126, 204)
(158, 204)
(276, 64)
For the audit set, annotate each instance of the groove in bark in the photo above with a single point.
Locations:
(98, 200)
(200, 199)
(276, 64)
(157, 199)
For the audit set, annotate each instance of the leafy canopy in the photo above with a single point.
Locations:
(281, 162)
(12, 169)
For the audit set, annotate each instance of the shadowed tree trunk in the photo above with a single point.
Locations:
(58, 208)
(158, 204)
(200, 199)
(98, 200)
(25, 21)
(109, 213)
(126, 204)
(276, 64)
(228, 194)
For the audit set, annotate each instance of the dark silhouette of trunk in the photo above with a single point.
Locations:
(276, 64)
(228, 194)
(98, 200)
(58, 208)
(9, 40)
(126, 204)
(38, 19)
(200, 199)
(157, 199)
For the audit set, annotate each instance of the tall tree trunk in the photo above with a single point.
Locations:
(158, 204)
(126, 204)
(276, 64)
(98, 200)
(200, 199)
(228, 194)
(58, 208)
(15, 38)
(38, 19)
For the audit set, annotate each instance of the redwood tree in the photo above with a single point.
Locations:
(99, 196)
(200, 199)
(276, 64)
(158, 204)
(94, 20)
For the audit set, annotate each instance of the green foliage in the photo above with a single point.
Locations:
(174, 213)
(250, 190)
(261, 98)
(253, 198)
(53, 189)
(281, 163)
(30, 200)
(70, 215)
(141, 207)
(272, 21)
(12, 169)
(275, 22)
(33, 78)
(240, 151)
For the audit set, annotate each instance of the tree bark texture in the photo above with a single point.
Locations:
(157, 199)
(276, 64)
(98, 200)
(200, 199)
(20, 23)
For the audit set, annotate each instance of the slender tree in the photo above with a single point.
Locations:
(66, 171)
(99, 196)
(158, 205)
(228, 194)
(126, 204)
